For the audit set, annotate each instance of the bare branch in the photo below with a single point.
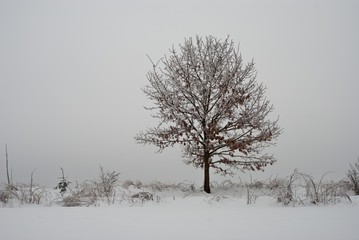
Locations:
(209, 102)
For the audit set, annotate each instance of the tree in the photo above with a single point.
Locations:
(208, 101)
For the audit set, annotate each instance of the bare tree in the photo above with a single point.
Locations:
(208, 101)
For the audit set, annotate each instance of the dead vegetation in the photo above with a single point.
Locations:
(297, 189)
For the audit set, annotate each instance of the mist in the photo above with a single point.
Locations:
(71, 74)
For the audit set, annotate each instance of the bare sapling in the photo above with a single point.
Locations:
(63, 184)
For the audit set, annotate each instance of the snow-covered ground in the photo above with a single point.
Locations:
(199, 216)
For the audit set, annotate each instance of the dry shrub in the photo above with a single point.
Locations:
(353, 176)
(143, 196)
(5, 196)
(84, 195)
(92, 192)
(24, 194)
(301, 188)
(72, 201)
(105, 185)
(187, 186)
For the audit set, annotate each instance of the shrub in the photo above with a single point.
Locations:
(301, 188)
(105, 186)
(353, 176)
(143, 196)
(72, 201)
(4, 196)
(285, 191)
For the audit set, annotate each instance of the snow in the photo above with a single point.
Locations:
(192, 217)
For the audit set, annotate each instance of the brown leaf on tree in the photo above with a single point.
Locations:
(208, 101)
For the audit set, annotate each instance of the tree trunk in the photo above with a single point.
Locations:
(206, 186)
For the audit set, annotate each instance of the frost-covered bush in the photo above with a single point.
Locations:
(29, 194)
(84, 194)
(157, 186)
(105, 185)
(72, 201)
(186, 187)
(5, 195)
(275, 183)
(23, 194)
(143, 197)
(257, 184)
(301, 188)
(92, 192)
(226, 185)
(353, 176)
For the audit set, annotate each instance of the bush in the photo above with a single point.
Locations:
(285, 190)
(301, 188)
(84, 195)
(105, 186)
(5, 196)
(91, 192)
(353, 176)
(72, 201)
(143, 196)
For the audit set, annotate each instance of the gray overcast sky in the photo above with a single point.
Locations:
(71, 74)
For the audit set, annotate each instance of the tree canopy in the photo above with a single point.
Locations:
(208, 101)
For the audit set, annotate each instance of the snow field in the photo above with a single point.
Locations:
(193, 217)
